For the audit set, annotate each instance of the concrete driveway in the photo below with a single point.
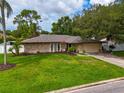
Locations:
(112, 87)
(110, 59)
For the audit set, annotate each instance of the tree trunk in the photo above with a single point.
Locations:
(17, 52)
(4, 31)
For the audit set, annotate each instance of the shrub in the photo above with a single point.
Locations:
(71, 49)
(16, 47)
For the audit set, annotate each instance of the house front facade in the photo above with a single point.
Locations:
(60, 43)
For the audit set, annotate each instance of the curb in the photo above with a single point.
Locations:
(66, 90)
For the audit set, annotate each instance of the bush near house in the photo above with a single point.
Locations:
(72, 49)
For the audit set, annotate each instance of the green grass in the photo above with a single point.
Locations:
(118, 53)
(46, 72)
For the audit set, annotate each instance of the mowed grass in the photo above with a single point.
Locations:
(118, 53)
(46, 72)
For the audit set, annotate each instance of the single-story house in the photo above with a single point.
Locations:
(60, 43)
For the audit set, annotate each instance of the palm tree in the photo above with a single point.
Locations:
(4, 5)
(0, 20)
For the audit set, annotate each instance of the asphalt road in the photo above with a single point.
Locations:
(112, 87)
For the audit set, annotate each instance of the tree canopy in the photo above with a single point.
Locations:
(62, 26)
(28, 23)
(97, 22)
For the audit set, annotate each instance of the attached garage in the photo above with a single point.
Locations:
(89, 47)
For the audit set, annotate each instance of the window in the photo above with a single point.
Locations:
(55, 47)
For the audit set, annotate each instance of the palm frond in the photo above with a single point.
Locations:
(8, 8)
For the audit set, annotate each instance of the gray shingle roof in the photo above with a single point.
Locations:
(57, 39)
(54, 39)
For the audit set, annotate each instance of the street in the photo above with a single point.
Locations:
(112, 87)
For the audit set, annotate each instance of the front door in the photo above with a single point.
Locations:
(68, 46)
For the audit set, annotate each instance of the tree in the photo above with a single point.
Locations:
(28, 23)
(9, 37)
(44, 32)
(62, 26)
(4, 5)
(119, 1)
(101, 21)
(16, 47)
(0, 20)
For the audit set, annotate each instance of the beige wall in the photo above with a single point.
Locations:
(42, 48)
(35, 48)
(46, 47)
(89, 47)
(63, 47)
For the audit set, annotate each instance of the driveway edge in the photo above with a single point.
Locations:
(85, 85)
(118, 62)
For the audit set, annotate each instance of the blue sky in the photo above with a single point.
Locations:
(50, 10)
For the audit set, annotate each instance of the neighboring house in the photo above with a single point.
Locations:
(118, 47)
(60, 43)
(9, 45)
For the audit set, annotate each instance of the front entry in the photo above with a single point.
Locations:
(55, 47)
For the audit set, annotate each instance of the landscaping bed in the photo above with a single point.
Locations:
(6, 67)
(47, 72)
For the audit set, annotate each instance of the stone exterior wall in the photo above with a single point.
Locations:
(46, 48)
(35, 48)
(42, 48)
(89, 47)
(63, 47)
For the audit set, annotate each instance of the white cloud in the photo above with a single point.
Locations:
(103, 2)
(50, 10)
(60, 7)
(47, 6)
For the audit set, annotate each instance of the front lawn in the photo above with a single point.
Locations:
(118, 53)
(46, 72)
